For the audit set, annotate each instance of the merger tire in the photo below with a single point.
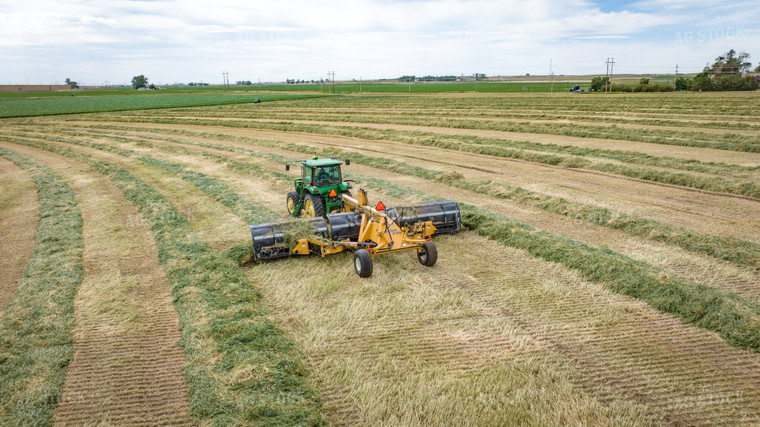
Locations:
(363, 263)
(292, 201)
(427, 254)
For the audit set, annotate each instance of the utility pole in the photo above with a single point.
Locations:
(226, 76)
(675, 80)
(551, 73)
(461, 81)
(329, 75)
(608, 74)
(360, 84)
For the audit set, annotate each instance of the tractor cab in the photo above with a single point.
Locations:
(321, 173)
(318, 190)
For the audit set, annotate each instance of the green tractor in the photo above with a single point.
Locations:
(317, 191)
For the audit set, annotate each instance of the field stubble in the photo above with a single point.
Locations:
(127, 367)
(669, 412)
(18, 221)
(681, 206)
(491, 334)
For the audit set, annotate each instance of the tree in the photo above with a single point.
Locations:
(644, 81)
(682, 83)
(757, 70)
(597, 83)
(139, 81)
(71, 83)
(702, 81)
(730, 63)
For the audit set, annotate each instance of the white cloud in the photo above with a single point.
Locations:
(193, 40)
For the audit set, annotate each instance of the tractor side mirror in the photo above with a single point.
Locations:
(287, 167)
(348, 162)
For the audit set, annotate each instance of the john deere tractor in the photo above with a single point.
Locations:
(317, 191)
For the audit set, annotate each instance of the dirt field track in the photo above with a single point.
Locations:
(608, 273)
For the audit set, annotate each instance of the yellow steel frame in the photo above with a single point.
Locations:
(378, 233)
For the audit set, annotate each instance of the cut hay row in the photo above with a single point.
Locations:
(720, 125)
(682, 136)
(35, 329)
(717, 106)
(632, 153)
(239, 366)
(741, 282)
(738, 251)
(361, 387)
(18, 221)
(480, 334)
(127, 366)
(677, 138)
(735, 318)
(470, 145)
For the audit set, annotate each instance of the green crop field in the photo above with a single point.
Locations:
(608, 270)
(32, 104)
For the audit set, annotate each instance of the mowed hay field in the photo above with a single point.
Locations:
(608, 271)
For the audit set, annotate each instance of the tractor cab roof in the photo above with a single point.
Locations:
(315, 162)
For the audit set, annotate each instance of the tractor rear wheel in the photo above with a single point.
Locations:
(313, 205)
(292, 201)
(363, 263)
(427, 254)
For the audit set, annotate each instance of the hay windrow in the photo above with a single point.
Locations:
(35, 330)
(225, 327)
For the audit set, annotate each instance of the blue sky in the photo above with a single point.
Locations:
(181, 41)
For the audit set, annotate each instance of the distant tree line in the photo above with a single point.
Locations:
(243, 83)
(197, 84)
(412, 78)
(727, 72)
(294, 81)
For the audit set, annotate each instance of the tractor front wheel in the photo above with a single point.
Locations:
(293, 201)
(427, 254)
(363, 263)
(313, 205)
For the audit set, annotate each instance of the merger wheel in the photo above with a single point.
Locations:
(292, 201)
(363, 263)
(427, 254)
(314, 205)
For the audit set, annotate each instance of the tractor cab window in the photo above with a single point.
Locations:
(306, 174)
(327, 176)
